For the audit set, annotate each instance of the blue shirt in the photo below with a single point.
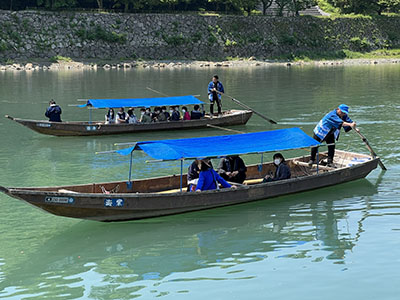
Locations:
(331, 123)
(207, 180)
(220, 88)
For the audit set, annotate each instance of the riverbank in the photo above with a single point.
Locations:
(91, 37)
(171, 64)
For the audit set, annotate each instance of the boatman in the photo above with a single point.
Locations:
(215, 90)
(53, 112)
(328, 129)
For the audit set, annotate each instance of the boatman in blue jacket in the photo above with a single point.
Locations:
(53, 112)
(328, 130)
(215, 90)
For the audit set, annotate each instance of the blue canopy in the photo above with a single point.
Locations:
(142, 102)
(217, 146)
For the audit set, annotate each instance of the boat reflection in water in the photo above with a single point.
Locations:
(133, 256)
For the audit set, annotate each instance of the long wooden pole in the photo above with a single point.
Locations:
(373, 153)
(222, 128)
(249, 108)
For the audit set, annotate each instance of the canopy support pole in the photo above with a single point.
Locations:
(260, 167)
(90, 116)
(129, 183)
(181, 183)
(317, 160)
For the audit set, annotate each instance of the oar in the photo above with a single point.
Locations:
(373, 153)
(249, 108)
(150, 89)
(222, 128)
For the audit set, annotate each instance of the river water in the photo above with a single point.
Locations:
(340, 242)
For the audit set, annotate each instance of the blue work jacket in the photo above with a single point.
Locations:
(331, 123)
(220, 88)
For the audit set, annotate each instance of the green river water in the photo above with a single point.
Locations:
(340, 242)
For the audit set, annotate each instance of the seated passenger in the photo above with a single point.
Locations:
(175, 116)
(282, 169)
(53, 112)
(186, 115)
(132, 119)
(193, 176)
(145, 115)
(121, 116)
(110, 116)
(208, 178)
(232, 168)
(155, 115)
(196, 113)
(164, 115)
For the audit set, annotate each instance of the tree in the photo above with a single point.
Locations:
(298, 5)
(282, 4)
(265, 5)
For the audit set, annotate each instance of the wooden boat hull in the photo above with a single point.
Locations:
(229, 118)
(87, 202)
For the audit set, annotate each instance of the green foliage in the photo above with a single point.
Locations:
(99, 33)
(286, 39)
(9, 61)
(59, 58)
(360, 44)
(3, 46)
(229, 43)
(174, 40)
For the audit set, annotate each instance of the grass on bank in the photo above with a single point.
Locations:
(342, 54)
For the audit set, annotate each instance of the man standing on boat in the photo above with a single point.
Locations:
(53, 112)
(215, 91)
(328, 130)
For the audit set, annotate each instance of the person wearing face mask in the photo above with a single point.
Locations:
(164, 115)
(121, 116)
(328, 130)
(110, 116)
(186, 114)
(145, 115)
(282, 169)
(175, 115)
(208, 178)
(131, 116)
(232, 169)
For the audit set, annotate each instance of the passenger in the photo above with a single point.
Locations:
(208, 178)
(215, 89)
(121, 116)
(232, 168)
(193, 176)
(110, 116)
(328, 130)
(186, 115)
(171, 110)
(164, 115)
(282, 169)
(175, 116)
(155, 115)
(132, 119)
(196, 113)
(145, 115)
(53, 112)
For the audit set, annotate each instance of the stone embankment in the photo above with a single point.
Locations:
(30, 36)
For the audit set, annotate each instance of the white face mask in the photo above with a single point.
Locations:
(183, 110)
(171, 111)
(277, 161)
(142, 113)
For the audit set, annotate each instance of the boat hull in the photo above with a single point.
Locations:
(137, 205)
(229, 118)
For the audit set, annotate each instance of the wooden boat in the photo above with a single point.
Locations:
(145, 198)
(161, 196)
(229, 118)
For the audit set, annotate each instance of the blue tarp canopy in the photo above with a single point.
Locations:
(218, 146)
(142, 102)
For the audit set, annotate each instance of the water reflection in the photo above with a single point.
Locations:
(127, 257)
